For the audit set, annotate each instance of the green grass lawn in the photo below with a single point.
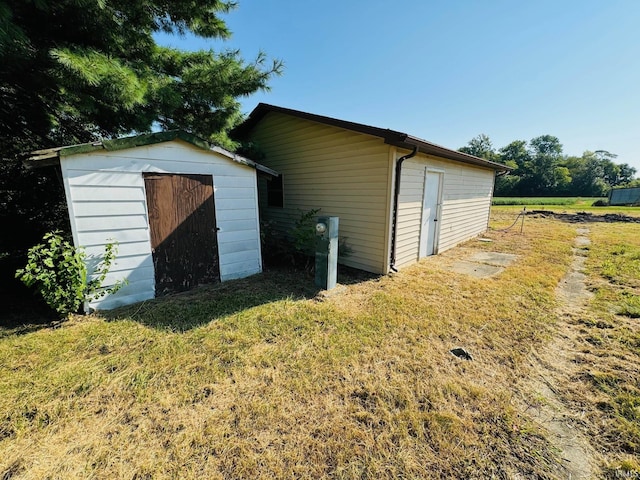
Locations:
(259, 378)
(612, 340)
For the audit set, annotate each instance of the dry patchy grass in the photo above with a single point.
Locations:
(604, 381)
(259, 379)
(608, 386)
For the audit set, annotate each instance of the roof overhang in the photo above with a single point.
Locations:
(52, 156)
(391, 137)
(429, 148)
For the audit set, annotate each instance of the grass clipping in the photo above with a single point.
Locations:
(256, 379)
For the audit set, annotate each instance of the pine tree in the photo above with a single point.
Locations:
(75, 70)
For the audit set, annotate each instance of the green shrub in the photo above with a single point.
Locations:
(297, 246)
(276, 249)
(303, 234)
(58, 271)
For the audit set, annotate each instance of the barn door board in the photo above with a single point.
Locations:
(182, 223)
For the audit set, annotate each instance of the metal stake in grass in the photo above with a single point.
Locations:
(524, 213)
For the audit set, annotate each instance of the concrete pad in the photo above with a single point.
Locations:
(478, 270)
(582, 242)
(493, 258)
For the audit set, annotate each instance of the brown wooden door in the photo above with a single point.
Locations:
(182, 223)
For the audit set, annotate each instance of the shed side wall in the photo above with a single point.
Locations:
(343, 173)
(107, 200)
(466, 201)
(624, 196)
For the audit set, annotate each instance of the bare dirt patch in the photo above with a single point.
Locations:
(479, 264)
(584, 217)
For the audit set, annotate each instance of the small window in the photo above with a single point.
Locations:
(275, 192)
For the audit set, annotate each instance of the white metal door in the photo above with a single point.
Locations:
(430, 213)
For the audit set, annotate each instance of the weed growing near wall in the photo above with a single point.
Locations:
(57, 270)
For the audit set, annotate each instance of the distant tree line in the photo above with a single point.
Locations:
(541, 169)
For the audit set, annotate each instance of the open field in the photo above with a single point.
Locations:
(260, 378)
(560, 205)
(576, 202)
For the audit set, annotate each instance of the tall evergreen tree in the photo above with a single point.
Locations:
(72, 69)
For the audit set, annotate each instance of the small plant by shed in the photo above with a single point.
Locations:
(58, 271)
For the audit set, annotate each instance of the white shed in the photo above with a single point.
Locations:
(183, 212)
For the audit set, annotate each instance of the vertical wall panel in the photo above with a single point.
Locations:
(466, 200)
(343, 173)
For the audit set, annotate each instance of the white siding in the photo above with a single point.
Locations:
(466, 201)
(107, 202)
(344, 173)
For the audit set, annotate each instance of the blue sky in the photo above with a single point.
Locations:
(447, 71)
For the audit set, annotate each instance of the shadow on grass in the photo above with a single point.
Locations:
(23, 311)
(184, 311)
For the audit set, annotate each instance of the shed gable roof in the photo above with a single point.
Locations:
(52, 156)
(391, 137)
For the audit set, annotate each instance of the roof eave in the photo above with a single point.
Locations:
(429, 148)
(391, 137)
(243, 160)
(51, 156)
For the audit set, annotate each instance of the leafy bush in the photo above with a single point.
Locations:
(303, 234)
(297, 246)
(276, 249)
(58, 271)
